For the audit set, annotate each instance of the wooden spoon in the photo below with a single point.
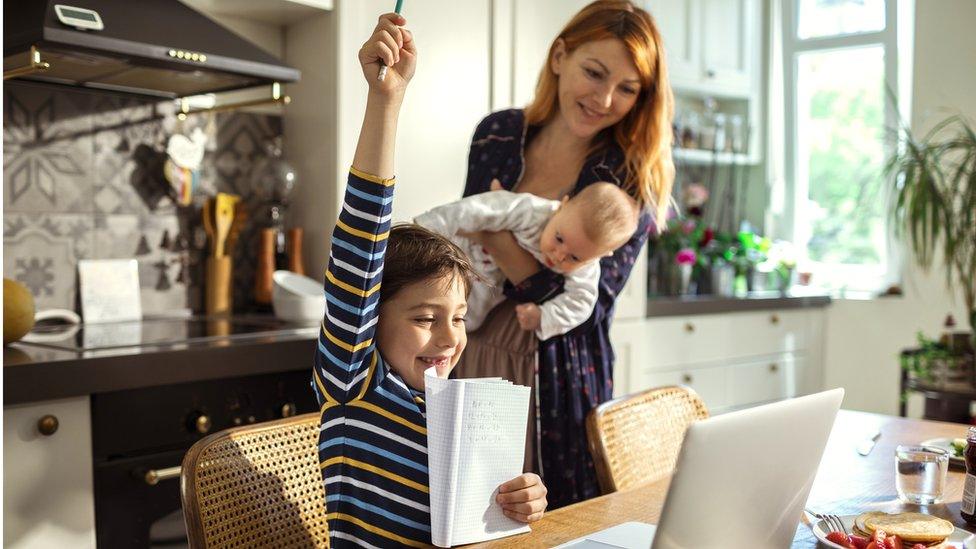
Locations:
(223, 219)
(207, 212)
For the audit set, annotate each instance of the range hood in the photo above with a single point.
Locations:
(157, 48)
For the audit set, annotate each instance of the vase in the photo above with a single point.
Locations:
(723, 279)
(684, 279)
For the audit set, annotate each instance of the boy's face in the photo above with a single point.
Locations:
(564, 244)
(423, 326)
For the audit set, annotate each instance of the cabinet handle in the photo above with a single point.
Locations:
(773, 368)
(687, 378)
(710, 73)
(689, 327)
(47, 425)
(774, 319)
(288, 410)
(153, 476)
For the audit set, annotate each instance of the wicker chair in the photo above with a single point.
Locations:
(635, 439)
(256, 486)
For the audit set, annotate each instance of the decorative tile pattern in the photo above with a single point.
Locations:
(43, 253)
(47, 157)
(91, 165)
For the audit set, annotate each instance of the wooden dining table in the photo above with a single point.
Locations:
(846, 483)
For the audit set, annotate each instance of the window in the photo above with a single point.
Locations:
(839, 63)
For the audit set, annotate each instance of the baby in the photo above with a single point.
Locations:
(568, 237)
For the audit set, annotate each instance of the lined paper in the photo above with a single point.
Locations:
(476, 432)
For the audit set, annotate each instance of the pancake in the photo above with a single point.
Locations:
(910, 527)
(861, 527)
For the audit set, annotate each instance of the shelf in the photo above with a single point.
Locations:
(698, 156)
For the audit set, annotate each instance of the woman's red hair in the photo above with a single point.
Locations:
(645, 133)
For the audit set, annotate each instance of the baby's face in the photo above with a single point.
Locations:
(565, 245)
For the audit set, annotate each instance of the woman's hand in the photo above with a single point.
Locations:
(529, 316)
(392, 46)
(523, 498)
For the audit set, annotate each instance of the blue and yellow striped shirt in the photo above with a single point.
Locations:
(373, 439)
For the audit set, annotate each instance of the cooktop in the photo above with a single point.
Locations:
(154, 331)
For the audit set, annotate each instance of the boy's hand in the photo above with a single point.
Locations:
(393, 46)
(523, 498)
(529, 316)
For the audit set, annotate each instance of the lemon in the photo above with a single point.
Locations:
(18, 310)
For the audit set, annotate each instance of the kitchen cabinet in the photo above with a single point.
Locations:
(713, 45)
(632, 299)
(731, 359)
(532, 28)
(47, 478)
(448, 96)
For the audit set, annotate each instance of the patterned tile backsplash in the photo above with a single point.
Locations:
(82, 178)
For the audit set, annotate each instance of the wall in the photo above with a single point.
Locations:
(863, 338)
(82, 178)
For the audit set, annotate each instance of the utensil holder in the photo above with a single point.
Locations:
(219, 276)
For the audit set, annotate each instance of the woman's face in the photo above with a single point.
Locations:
(598, 85)
(423, 326)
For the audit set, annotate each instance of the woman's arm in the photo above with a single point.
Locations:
(359, 238)
(614, 272)
(513, 260)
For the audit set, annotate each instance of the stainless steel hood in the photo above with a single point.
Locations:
(159, 48)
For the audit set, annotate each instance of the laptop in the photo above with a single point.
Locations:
(741, 480)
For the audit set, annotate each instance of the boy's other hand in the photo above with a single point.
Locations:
(393, 46)
(523, 498)
(529, 316)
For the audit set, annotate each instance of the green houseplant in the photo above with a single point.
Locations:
(933, 204)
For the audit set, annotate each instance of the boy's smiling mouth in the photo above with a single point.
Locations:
(435, 360)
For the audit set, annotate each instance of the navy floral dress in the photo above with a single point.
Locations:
(576, 369)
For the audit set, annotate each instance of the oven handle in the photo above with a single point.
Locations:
(153, 476)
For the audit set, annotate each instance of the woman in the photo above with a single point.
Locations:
(602, 112)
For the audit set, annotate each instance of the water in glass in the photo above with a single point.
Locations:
(920, 473)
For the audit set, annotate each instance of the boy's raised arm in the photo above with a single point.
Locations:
(352, 283)
(393, 46)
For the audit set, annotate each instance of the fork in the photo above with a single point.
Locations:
(833, 521)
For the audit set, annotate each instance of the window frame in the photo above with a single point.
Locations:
(794, 189)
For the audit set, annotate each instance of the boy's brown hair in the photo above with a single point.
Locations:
(414, 253)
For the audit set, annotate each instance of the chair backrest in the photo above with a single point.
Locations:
(635, 439)
(256, 486)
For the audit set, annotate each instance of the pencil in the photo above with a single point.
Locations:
(382, 74)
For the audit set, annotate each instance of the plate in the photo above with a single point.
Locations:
(945, 444)
(960, 539)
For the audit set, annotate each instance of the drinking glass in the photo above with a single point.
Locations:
(920, 473)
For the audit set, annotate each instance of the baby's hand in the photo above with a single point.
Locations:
(523, 498)
(393, 46)
(529, 316)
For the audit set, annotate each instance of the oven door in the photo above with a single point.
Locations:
(139, 438)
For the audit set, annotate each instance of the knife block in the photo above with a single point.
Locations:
(218, 289)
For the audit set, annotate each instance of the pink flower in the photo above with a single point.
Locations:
(686, 256)
(688, 226)
(694, 195)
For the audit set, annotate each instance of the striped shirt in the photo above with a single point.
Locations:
(373, 439)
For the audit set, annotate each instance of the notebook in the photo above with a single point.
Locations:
(475, 442)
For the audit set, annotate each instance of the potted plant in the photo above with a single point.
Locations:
(934, 202)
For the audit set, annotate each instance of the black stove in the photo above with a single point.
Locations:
(139, 436)
(159, 331)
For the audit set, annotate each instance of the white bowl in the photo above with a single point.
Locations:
(298, 308)
(297, 285)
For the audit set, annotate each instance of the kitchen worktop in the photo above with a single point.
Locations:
(52, 369)
(754, 301)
